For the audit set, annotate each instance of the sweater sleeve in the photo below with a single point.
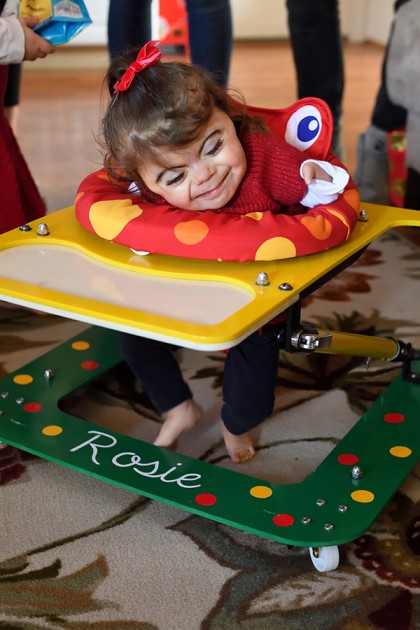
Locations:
(12, 40)
(274, 165)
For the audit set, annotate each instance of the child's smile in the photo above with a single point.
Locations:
(203, 176)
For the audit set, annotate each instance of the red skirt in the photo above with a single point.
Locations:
(20, 201)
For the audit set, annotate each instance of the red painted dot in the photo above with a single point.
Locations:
(32, 407)
(90, 365)
(394, 417)
(205, 499)
(283, 520)
(348, 459)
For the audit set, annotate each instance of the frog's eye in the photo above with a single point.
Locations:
(303, 127)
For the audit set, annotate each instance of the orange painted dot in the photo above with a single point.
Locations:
(22, 379)
(32, 407)
(400, 451)
(319, 227)
(205, 499)
(52, 430)
(283, 520)
(394, 417)
(347, 459)
(256, 216)
(90, 365)
(191, 232)
(362, 496)
(276, 248)
(353, 198)
(80, 345)
(261, 492)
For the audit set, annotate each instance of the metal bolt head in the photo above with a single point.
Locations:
(328, 527)
(285, 286)
(262, 279)
(342, 508)
(25, 228)
(20, 401)
(356, 472)
(4, 394)
(306, 520)
(42, 229)
(363, 216)
(320, 502)
(48, 375)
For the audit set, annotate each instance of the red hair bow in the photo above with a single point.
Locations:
(148, 56)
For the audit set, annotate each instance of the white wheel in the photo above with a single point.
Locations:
(325, 558)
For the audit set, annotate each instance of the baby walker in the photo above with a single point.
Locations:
(62, 266)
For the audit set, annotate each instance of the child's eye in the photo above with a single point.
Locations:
(215, 147)
(175, 180)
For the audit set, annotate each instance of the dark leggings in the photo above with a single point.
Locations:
(249, 379)
(209, 24)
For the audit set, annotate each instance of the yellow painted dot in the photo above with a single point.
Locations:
(23, 379)
(319, 227)
(80, 345)
(276, 248)
(109, 218)
(52, 430)
(261, 492)
(400, 451)
(362, 496)
(191, 232)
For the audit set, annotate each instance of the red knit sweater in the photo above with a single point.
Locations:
(272, 179)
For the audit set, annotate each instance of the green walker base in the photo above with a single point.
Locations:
(332, 506)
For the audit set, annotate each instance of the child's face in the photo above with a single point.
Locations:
(204, 175)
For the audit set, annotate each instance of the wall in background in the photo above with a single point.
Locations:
(267, 19)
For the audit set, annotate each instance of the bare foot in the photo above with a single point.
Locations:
(239, 447)
(178, 419)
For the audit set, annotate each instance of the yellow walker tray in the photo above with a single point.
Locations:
(198, 304)
(59, 267)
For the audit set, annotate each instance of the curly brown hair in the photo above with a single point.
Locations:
(166, 105)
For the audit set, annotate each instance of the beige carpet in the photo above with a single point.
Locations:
(77, 553)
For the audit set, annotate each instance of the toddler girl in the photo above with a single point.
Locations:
(182, 140)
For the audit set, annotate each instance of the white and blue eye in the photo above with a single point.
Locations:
(303, 127)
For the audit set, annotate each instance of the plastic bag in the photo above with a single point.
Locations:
(59, 20)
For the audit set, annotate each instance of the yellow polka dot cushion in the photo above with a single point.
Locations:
(124, 217)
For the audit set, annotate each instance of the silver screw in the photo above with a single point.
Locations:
(320, 502)
(4, 394)
(285, 286)
(306, 520)
(328, 527)
(342, 508)
(20, 401)
(363, 216)
(25, 228)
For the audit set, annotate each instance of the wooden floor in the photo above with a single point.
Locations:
(61, 105)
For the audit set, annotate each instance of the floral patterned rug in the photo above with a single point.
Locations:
(79, 554)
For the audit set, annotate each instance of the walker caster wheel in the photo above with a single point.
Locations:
(325, 558)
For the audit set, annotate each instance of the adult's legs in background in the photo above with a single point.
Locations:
(11, 97)
(371, 176)
(209, 24)
(315, 36)
(211, 36)
(129, 24)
